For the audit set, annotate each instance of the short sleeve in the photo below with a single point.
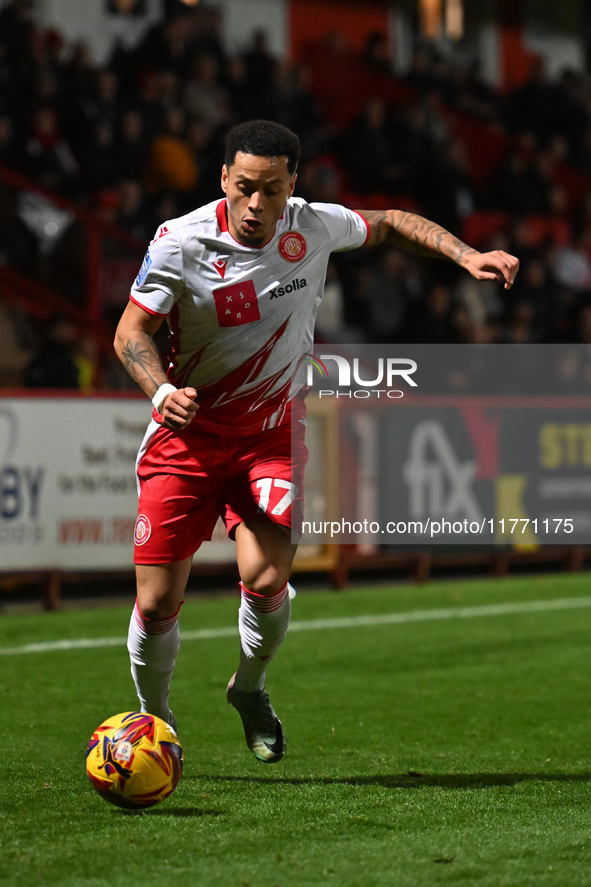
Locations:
(347, 229)
(159, 282)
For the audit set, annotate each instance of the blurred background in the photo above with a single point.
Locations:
(112, 119)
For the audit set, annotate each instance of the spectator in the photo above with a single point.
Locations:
(131, 145)
(242, 101)
(261, 75)
(420, 75)
(206, 154)
(522, 184)
(260, 64)
(14, 356)
(16, 27)
(9, 150)
(330, 320)
(18, 245)
(536, 292)
(297, 108)
(433, 322)
(167, 47)
(148, 104)
(320, 183)
(419, 150)
(480, 299)
(366, 150)
(88, 110)
(571, 265)
(48, 157)
(376, 54)
(131, 210)
(53, 364)
(445, 189)
(99, 160)
(102, 103)
(163, 206)
(204, 96)
(171, 164)
(169, 89)
(389, 291)
(473, 95)
(520, 330)
(79, 73)
(208, 36)
(533, 105)
(86, 359)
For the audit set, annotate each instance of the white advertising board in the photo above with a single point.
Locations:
(68, 496)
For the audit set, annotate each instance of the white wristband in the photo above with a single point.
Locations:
(161, 395)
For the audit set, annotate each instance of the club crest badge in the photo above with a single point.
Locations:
(143, 530)
(293, 246)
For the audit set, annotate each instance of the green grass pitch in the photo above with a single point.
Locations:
(452, 752)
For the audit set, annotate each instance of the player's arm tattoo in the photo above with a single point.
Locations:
(142, 361)
(414, 234)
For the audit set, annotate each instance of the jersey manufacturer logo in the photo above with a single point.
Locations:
(143, 530)
(141, 278)
(297, 284)
(237, 304)
(162, 231)
(293, 246)
(220, 266)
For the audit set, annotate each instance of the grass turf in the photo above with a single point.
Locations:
(442, 752)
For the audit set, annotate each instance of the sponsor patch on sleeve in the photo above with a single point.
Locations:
(146, 264)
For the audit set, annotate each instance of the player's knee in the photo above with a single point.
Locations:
(155, 611)
(267, 582)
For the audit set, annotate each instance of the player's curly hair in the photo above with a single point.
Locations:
(263, 138)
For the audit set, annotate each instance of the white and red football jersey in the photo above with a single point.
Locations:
(241, 317)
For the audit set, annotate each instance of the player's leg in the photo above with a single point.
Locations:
(177, 511)
(265, 554)
(153, 639)
(263, 515)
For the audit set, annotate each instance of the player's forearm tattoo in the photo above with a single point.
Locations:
(142, 361)
(415, 234)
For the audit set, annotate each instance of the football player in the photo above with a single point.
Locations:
(239, 282)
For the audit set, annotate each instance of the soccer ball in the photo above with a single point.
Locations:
(134, 760)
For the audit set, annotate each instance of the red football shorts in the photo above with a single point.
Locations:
(190, 478)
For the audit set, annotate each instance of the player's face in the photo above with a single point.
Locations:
(257, 189)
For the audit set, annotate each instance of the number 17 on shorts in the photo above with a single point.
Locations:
(275, 495)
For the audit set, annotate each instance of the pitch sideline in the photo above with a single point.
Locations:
(328, 624)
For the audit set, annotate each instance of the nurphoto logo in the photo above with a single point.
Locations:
(350, 373)
(314, 362)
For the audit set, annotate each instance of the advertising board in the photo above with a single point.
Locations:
(68, 497)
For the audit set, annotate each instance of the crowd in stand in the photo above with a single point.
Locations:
(139, 140)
